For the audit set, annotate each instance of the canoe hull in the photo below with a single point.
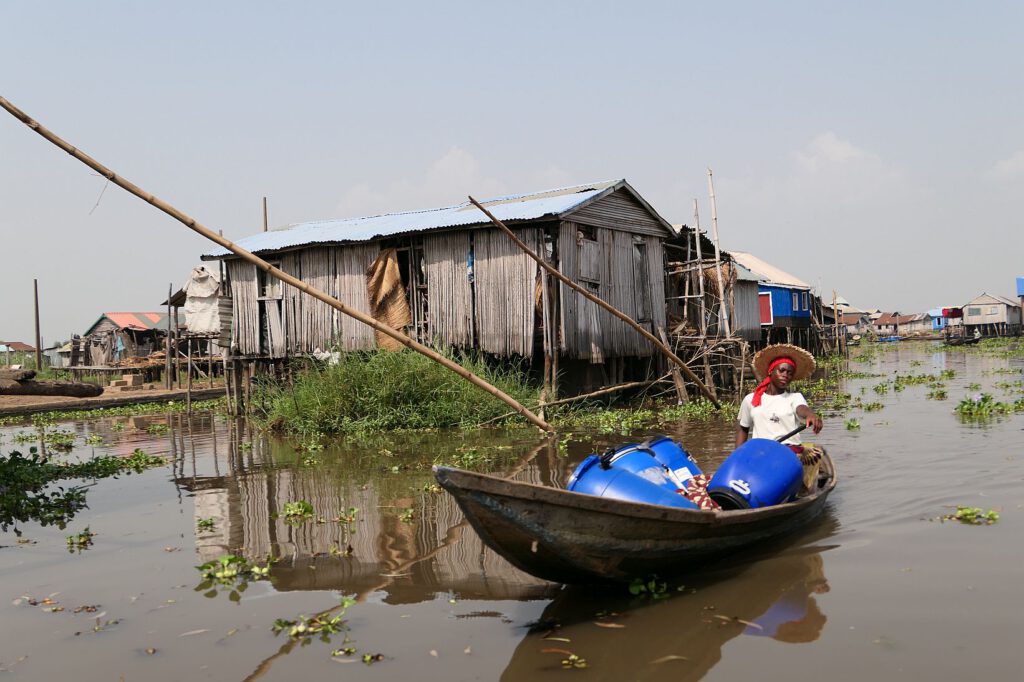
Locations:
(573, 538)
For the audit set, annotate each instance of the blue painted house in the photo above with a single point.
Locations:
(939, 320)
(785, 302)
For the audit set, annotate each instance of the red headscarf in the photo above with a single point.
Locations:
(761, 387)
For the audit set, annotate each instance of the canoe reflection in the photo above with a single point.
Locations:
(680, 637)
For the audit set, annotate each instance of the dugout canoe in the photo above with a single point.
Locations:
(574, 538)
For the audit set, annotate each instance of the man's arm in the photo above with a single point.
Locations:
(742, 435)
(808, 416)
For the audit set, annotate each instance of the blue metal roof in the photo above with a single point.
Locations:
(552, 202)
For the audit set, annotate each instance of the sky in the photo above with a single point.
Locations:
(872, 148)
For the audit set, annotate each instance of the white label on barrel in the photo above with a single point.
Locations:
(682, 473)
(740, 486)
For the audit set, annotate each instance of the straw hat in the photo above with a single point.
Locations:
(766, 356)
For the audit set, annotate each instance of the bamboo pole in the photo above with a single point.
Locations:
(702, 327)
(590, 297)
(722, 311)
(245, 255)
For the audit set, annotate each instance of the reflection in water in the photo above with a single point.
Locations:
(681, 637)
(364, 537)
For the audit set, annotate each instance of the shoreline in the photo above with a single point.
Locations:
(16, 405)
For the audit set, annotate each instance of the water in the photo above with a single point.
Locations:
(878, 589)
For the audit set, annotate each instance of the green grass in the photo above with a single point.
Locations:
(382, 390)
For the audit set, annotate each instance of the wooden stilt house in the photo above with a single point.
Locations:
(447, 276)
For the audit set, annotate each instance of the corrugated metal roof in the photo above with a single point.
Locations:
(993, 298)
(769, 273)
(552, 202)
(135, 321)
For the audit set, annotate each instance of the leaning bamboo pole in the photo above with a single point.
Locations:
(245, 255)
(590, 297)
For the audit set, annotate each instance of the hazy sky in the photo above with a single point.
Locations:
(876, 148)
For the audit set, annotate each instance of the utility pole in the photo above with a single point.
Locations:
(39, 351)
(265, 221)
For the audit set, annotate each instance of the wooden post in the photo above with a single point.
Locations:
(167, 360)
(703, 326)
(600, 302)
(266, 224)
(722, 311)
(188, 390)
(39, 342)
(277, 273)
(835, 317)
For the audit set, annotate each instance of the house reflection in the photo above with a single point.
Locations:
(405, 538)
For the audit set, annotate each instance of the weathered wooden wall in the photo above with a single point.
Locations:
(619, 211)
(625, 270)
(449, 292)
(505, 281)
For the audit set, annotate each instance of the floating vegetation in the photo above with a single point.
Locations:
(852, 424)
(297, 512)
(882, 388)
(230, 572)
(982, 406)
(574, 661)
(94, 439)
(650, 586)
(205, 525)
(323, 626)
(81, 541)
(625, 420)
(873, 407)
(937, 394)
(158, 429)
(974, 516)
(407, 515)
(25, 481)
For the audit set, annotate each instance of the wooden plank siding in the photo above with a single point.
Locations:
(449, 291)
(631, 278)
(619, 211)
(505, 282)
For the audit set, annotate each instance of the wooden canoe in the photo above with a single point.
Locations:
(575, 538)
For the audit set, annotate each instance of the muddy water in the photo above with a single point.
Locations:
(877, 589)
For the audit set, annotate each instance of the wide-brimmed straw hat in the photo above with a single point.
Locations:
(766, 356)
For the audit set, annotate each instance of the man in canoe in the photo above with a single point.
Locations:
(772, 410)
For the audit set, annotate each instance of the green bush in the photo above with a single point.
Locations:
(383, 390)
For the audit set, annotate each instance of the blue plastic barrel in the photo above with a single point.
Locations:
(672, 455)
(591, 477)
(759, 473)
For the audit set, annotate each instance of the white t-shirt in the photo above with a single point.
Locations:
(774, 417)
